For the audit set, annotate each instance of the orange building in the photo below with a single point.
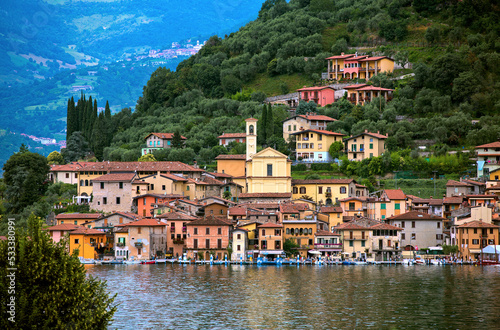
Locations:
(208, 236)
(474, 236)
(147, 203)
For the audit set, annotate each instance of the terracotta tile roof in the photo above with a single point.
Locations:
(490, 145)
(331, 209)
(146, 222)
(189, 180)
(478, 224)
(115, 177)
(71, 167)
(251, 119)
(261, 206)
(139, 182)
(78, 216)
(166, 136)
(189, 202)
(140, 167)
(384, 226)
(395, 194)
(237, 210)
(225, 201)
(163, 196)
(270, 225)
(322, 181)
(238, 228)
(415, 215)
(453, 200)
(318, 131)
(475, 183)
(265, 195)
(357, 58)
(339, 57)
(212, 181)
(325, 233)
(129, 215)
(258, 213)
(373, 88)
(63, 227)
(352, 199)
(176, 216)
(209, 221)
(86, 231)
(360, 186)
(375, 135)
(121, 230)
(355, 86)
(173, 177)
(314, 88)
(482, 196)
(293, 208)
(349, 226)
(375, 58)
(221, 175)
(317, 117)
(430, 201)
(453, 183)
(232, 135)
(237, 157)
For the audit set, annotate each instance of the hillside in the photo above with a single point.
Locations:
(51, 50)
(452, 46)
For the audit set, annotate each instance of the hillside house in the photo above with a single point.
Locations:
(158, 141)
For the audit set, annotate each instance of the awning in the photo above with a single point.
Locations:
(313, 252)
(480, 165)
(266, 252)
(474, 250)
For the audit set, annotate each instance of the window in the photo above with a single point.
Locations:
(195, 243)
(152, 187)
(269, 169)
(397, 206)
(187, 188)
(475, 241)
(383, 217)
(295, 190)
(117, 200)
(238, 247)
(163, 187)
(383, 206)
(207, 231)
(475, 230)
(402, 224)
(102, 185)
(67, 175)
(320, 138)
(402, 235)
(413, 236)
(413, 224)
(207, 243)
(77, 241)
(320, 190)
(362, 243)
(250, 129)
(302, 190)
(120, 220)
(219, 231)
(195, 231)
(371, 145)
(351, 243)
(139, 230)
(288, 231)
(320, 146)
(219, 243)
(438, 225)
(238, 236)
(352, 206)
(289, 128)
(104, 200)
(120, 185)
(342, 190)
(294, 127)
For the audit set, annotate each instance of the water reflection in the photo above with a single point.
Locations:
(311, 297)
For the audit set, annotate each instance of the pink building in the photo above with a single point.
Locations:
(59, 231)
(210, 236)
(321, 95)
(176, 231)
(227, 138)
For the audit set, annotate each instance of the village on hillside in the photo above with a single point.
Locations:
(251, 209)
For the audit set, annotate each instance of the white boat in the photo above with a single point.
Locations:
(132, 262)
(87, 261)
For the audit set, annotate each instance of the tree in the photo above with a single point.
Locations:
(24, 175)
(76, 148)
(227, 195)
(336, 149)
(52, 287)
(340, 46)
(269, 122)
(55, 158)
(290, 247)
(177, 140)
(147, 158)
(305, 107)
(402, 58)
(263, 125)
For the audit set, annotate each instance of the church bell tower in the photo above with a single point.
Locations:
(251, 137)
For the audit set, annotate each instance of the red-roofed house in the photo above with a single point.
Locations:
(474, 236)
(227, 138)
(313, 145)
(59, 231)
(208, 236)
(90, 243)
(321, 95)
(270, 237)
(365, 145)
(352, 66)
(364, 94)
(327, 243)
(146, 238)
(304, 122)
(488, 158)
(76, 218)
(391, 202)
(157, 141)
(67, 173)
(176, 231)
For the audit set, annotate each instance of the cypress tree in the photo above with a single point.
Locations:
(269, 122)
(108, 124)
(68, 120)
(263, 126)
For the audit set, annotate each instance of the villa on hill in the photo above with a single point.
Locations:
(158, 141)
(352, 66)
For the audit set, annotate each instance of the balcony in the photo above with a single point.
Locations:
(327, 246)
(138, 244)
(172, 229)
(328, 194)
(178, 241)
(120, 244)
(184, 229)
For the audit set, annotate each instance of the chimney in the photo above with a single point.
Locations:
(366, 131)
(387, 134)
(431, 197)
(342, 54)
(378, 132)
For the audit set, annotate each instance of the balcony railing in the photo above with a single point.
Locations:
(172, 229)
(120, 244)
(327, 245)
(138, 244)
(178, 241)
(184, 229)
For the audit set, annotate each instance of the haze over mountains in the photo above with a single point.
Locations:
(49, 47)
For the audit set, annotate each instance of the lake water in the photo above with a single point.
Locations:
(306, 297)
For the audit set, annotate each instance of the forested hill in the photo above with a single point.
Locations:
(452, 46)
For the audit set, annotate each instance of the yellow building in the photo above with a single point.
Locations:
(233, 165)
(365, 145)
(299, 123)
(194, 189)
(354, 238)
(169, 184)
(302, 233)
(474, 236)
(76, 218)
(87, 241)
(314, 145)
(352, 66)
(324, 191)
(392, 202)
(333, 216)
(353, 206)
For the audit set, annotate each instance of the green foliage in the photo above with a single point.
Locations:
(24, 177)
(336, 149)
(449, 249)
(290, 247)
(55, 158)
(177, 140)
(312, 176)
(305, 107)
(52, 289)
(147, 158)
(76, 148)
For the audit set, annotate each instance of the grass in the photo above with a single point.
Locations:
(423, 188)
(271, 85)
